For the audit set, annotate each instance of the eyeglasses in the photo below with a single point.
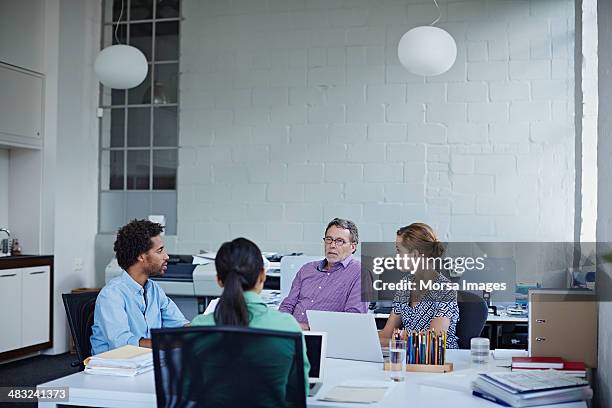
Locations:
(338, 241)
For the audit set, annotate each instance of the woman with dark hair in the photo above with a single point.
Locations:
(241, 274)
(423, 309)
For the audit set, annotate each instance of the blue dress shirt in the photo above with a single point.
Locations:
(122, 317)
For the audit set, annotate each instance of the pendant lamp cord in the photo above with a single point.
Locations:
(432, 23)
(121, 15)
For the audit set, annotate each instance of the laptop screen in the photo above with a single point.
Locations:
(314, 344)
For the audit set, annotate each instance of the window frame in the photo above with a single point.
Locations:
(106, 108)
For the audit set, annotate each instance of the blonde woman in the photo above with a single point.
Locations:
(422, 309)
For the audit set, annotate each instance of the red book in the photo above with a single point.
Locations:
(575, 368)
(537, 362)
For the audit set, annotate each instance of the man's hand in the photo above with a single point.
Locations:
(145, 343)
(304, 326)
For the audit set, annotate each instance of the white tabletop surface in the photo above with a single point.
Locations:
(419, 389)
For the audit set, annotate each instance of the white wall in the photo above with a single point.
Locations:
(604, 197)
(71, 150)
(4, 187)
(296, 112)
(25, 172)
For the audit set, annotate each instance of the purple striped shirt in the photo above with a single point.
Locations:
(336, 290)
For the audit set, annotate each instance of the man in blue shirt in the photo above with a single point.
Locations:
(130, 305)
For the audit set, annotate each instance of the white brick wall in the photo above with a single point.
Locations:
(296, 112)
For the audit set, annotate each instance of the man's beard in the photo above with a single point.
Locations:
(153, 270)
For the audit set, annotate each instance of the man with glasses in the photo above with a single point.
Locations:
(332, 284)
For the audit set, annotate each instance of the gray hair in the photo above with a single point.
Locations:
(345, 224)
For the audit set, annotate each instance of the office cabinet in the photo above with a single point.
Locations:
(10, 309)
(21, 116)
(22, 33)
(35, 305)
(26, 305)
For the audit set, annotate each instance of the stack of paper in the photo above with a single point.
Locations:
(126, 361)
(531, 388)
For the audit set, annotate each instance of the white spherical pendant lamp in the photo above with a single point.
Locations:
(427, 51)
(121, 67)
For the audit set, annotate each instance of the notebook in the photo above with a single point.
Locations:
(537, 362)
(358, 392)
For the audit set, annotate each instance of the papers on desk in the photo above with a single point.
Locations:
(272, 298)
(526, 389)
(361, 392)
(126, 361)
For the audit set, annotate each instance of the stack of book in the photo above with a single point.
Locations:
(126, 361)
(530, 388)
(574, 368)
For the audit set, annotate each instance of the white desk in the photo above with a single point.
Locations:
(506, 318)
(139, 391)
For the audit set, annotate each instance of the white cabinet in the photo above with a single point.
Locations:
(10, 309)
(24, 307)
(21, 116)
(35, 297)
(22, 33)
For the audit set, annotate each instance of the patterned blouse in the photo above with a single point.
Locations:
(441, 303)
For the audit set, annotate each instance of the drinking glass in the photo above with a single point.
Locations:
(479, 350)
(397, 359)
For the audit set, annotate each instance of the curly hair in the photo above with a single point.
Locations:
(134, 239)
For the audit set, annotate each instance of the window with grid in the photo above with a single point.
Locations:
(139, 126)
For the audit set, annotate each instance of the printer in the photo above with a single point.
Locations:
(183, 278)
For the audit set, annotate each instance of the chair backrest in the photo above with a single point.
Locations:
(222, 366)
(80, 313)
(473, 312)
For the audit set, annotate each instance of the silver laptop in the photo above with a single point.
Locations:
(316, 345)
(351, 336)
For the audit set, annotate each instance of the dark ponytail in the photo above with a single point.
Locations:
(238, 265)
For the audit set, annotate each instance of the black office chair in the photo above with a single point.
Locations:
(80, 313)
(473, 314)
(222, 366)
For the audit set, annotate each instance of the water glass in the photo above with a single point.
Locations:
(479, 350)
(397, 359)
